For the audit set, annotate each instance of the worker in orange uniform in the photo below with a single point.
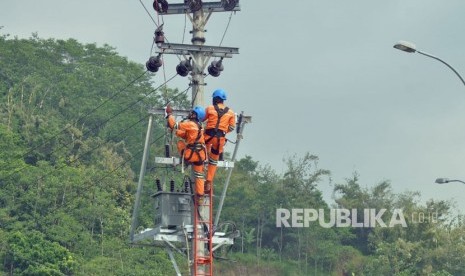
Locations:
(220, 120)
(192, 147)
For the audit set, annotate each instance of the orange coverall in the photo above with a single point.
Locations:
(192, 148)
(220, 121)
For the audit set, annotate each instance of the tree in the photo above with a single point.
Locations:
(32, 254)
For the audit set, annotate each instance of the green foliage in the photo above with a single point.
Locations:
(31, 254)
(72, 126)
(129, 262)
(72, 120)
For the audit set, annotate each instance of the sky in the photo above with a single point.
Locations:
(317, 76)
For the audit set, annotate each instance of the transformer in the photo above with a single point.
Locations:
(172, 209)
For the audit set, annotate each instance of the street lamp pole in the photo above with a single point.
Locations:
(411, 48)
(447, 180)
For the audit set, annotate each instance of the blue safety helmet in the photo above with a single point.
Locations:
(200, 111)
(220, 93)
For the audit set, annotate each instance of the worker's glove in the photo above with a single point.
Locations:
(168, 111)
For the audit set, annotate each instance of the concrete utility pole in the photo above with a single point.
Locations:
(198, 38)
(197, 57)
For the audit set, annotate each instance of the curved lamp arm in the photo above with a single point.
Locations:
(436, 58)
(411, 48)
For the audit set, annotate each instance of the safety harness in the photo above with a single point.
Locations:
(215, 132)
(196, 146)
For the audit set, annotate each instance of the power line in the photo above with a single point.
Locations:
(127, 107)
(153, 20)
(185, 27)
(178, 95)
(127, 161)
(89, 151)
(124, 163)
(98, 126)
(194, 98)
(112, 97)
(80, 119)
(224, 33)
(227, 27)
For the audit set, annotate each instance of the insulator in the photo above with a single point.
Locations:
(215, 68)
(159, 34)
(150, 67)
(194, 5)
(159, 37)
(167, 150)
(184, 68)
(154, 63)
(213, 71)
(161, 6)
(157, 181)
(171, 185)
(186, 186)
(229, 5)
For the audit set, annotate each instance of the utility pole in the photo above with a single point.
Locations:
(196, 58)
(198, 38)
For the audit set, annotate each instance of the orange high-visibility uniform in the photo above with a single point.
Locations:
(192, 148)
(220, 120)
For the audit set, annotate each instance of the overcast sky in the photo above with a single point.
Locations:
(318, 76)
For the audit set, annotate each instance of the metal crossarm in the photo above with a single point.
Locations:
(160, 234)
(206, 7)
(186, 49)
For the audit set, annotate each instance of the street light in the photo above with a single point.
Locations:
(411, 48)
(447, 180)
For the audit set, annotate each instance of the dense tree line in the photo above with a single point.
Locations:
(72, 127)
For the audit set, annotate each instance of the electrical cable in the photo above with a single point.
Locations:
(164, 76)
(157, 25)
(125, 109)
(128, 106)
(151, 48)
(80, 119)
(129, 159)
(111, 138)
(231, 235)
(194, 98)
(98, 126)
(185, 27)
(227, 27)
(224, 34)
(112, 97)
(89, 151)
(179, 94)
(148, 13)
